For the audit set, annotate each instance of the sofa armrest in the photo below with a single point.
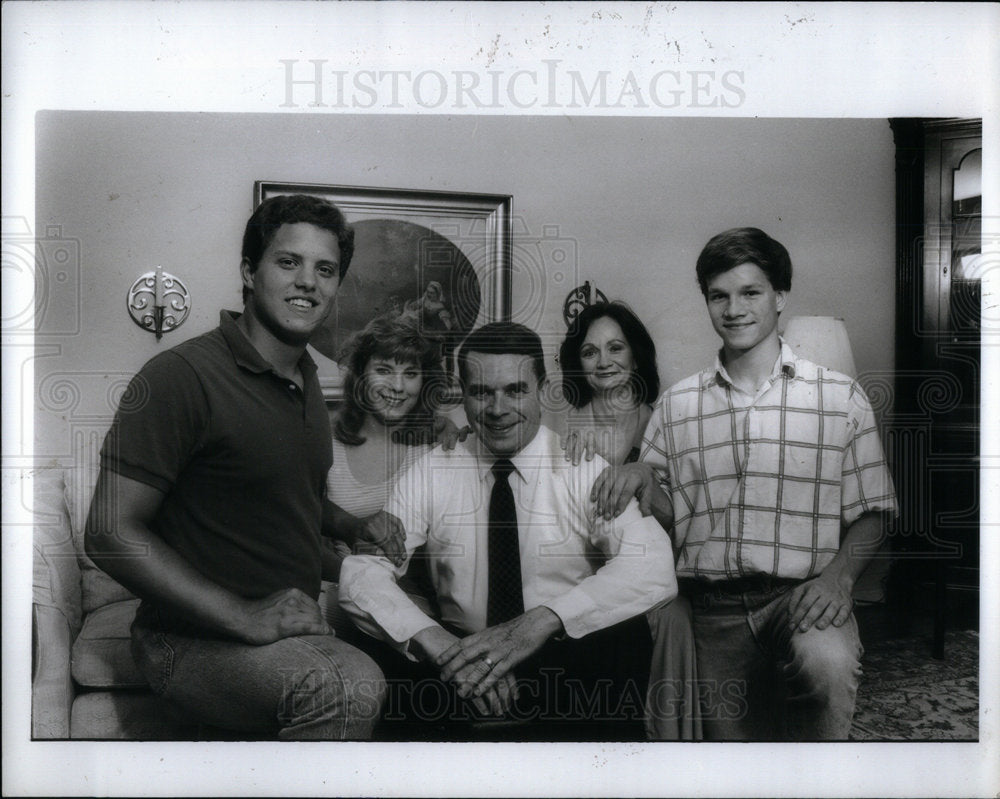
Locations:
(52, 688)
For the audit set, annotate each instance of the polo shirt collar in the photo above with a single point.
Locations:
(527, 462)
(246, 355)
(787, 363)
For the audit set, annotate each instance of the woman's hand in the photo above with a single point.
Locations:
(585, 442)
(615, 486)
(382, 534)
(448, 434)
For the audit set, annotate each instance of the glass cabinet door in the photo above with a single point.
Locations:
(932, 435)
(951, 318)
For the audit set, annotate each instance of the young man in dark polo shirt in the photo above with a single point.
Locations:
(209, 501)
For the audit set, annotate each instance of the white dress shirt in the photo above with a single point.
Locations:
(589, 572)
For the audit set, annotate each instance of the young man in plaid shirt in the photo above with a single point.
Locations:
(779, 494)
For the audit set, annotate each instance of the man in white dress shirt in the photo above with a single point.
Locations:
(581, 576)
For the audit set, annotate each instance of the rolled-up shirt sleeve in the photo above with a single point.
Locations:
(866, 485)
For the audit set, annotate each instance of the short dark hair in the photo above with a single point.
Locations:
(395, 338)
(503, 338)
(645, 378)
(290, 209)
(741, 245)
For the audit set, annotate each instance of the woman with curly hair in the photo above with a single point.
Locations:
(393, 385)
(609, 377)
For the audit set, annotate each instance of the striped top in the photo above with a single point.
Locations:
(357, 498)
(765, 484)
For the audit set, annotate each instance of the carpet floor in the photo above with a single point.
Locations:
(906, 695)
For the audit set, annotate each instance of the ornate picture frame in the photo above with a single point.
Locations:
(443, 256)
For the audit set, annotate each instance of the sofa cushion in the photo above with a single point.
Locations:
(56, 574)
(102, 656)
(128, 715)
(98, 589)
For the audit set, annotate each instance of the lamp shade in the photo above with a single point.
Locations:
(822, 340)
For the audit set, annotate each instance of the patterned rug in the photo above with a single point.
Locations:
(906, 695)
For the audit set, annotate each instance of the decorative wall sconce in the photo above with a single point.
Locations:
(158, 302)
(578, 299)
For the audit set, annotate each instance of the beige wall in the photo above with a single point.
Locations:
(635, 199)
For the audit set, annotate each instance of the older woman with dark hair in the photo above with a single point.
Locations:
(610, 379)
(393, 385)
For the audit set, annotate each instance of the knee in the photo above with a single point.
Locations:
(344, 690)
(364, 687)
(826, 659)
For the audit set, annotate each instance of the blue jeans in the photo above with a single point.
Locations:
(760, 681)
(312, 687)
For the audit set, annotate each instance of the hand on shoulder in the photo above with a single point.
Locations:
(616, 485)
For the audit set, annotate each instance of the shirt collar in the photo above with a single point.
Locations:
(787, 363)
(527, 462)
(246, 355)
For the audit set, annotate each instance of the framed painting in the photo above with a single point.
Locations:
(442, 257)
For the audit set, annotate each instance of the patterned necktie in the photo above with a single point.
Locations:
(505, 600)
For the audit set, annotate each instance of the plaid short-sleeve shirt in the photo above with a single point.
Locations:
(766, 484)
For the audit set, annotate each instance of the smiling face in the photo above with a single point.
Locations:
(605, 356)
(392, 388)
(502, 401)
(295, 282)
(744, 308)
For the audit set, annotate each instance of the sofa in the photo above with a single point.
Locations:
(85, 683)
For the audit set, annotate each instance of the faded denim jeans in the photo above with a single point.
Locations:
(312, 687)
(760, 681)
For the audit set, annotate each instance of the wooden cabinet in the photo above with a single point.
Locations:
(933, 432)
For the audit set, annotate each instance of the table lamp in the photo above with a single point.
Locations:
(822, 340)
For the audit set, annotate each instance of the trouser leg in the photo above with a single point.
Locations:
(300, 688)
(820, 671)
(734, 672)
(672, 711)
(596, 679)
(418, 706)
(597, 682)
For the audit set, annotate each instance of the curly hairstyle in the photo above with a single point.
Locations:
(645, 378)
(394, 338)
(290, 209)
